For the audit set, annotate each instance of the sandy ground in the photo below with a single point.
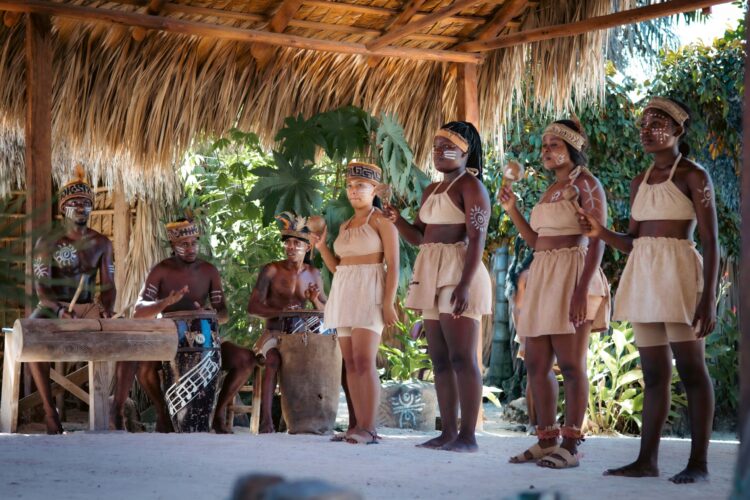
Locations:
(151, 466)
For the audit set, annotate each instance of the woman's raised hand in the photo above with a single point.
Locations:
(319, 240)
(507, 197)
(391, 213)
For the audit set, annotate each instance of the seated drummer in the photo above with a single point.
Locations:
(283, 286)
(66, 262)
(182, 282)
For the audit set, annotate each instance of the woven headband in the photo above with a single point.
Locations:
(567, 134)
(455, 138)
(365, 171)
(669, 107)
(77, 188)
(177, 231)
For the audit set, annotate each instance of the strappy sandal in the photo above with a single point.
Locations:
(560, 459)
(358, 438)
(339, 436)
(536, 451)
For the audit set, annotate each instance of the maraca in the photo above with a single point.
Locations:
(513, 171)
(384, 192)
(316, 224)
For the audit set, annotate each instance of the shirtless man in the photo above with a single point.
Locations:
(282, 286)
(182, 282)
(66, 260)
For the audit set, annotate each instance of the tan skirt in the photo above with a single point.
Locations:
(553, 276)
(356, 296)
(439, 265)
(661, 283)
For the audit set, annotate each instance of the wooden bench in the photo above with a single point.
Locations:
(100, 342)
(254, 408)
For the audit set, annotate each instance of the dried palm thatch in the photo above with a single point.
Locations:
(129, 110)
(145, 250)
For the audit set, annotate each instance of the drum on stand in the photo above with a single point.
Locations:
(191, 381)
(310, 376)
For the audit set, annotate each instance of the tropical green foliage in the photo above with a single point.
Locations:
(615, 400)
(407, 361)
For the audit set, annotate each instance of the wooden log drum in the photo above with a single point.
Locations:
(98, 341)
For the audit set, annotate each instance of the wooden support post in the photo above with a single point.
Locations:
(257, 385)
(38, 136)
(742, 471)
(100, 378)
(121, 242)
(11, 388)
(467, 99)
(467, 104)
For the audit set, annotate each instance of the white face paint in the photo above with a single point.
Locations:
(479, 218)
(560, 159)
(450, 154)
(70, 212)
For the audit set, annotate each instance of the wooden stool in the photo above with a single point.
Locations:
(98, 341)
(254, 408)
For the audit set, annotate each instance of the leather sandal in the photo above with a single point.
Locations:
(536, 452)
(357, 438)
(560, 459)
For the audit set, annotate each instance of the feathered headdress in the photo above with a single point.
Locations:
(293, 226)
(76, 188)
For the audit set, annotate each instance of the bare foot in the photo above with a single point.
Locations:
(636, 469)
(266, 427)
(437, 442)
(219, 424)
(53, 424)
(117, 422)
(462, 445)
(163, 424)
(696, 471)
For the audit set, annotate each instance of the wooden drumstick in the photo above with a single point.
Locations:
(77, 294)
(122, 313)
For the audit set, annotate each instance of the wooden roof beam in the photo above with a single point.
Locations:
(414, 26)
(248, 17)
(504, 15)
(631, 16)
(385, 12)
(262, 52)
(153, 9)
(411, 8)
(193, 28)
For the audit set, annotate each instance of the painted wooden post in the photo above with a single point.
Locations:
(500, 368)
(742, 472)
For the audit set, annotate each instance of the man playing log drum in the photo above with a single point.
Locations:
(182, 282)
(65, 264)
(283, 286)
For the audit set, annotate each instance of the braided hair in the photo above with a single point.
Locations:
(471, 134)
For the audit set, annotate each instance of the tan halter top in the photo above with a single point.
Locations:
(662, 201)
(438, 208)
(358, 241)
(557, 218)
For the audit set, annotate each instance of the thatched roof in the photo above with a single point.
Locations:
(129, 109)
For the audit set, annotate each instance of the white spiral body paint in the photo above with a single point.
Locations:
(66, 256)
(40, 268)
(555, 196)
(706, 195)
(479, 218)
(590, 200)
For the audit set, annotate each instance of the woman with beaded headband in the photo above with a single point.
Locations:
(667, 291)
(566, 296)
(363, 292)
(450, 285)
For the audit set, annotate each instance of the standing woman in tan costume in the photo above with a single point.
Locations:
(450, 285)
(567, 295)
(363, 293)
(665, 291)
